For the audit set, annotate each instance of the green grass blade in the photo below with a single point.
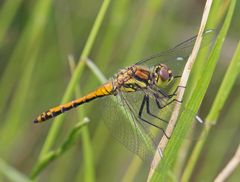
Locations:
(194, 102)
(96, 71)
(95, 30)
(119, 15)
(11, 173)
(230, 167)
(89, 174)
(36, 38)
(225, 140)
(226, 87)
(7, 13)
(115, 28)
(138, 44)
(144, 29)
(24, 55)
(71, 87)
(28, 42)
(222, 95)
(135, 164)
(67, 144)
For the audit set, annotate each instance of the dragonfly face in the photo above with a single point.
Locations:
(163, 76)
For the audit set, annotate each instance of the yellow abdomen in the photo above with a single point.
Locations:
(104, 90)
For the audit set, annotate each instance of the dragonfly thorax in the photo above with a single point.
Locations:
(162, 75)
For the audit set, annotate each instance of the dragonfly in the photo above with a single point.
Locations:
(143, 96)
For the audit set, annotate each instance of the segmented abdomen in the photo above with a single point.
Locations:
(104, 90)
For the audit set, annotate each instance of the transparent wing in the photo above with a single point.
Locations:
(137, 123)
(122, 121)
(138, 134)
(176, 57)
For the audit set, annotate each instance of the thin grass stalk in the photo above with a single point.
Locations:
(67, 144)
(225, 134)
(176, 139)
(214, 20)
(25, 51)
(11, 173)
(74, 80)
(209, 71)
(65, 33)
(137, 46)
(230, 167)
(143, 31)
(89, 174)
(215, 16)
(13, 121)
(7, 13)
(101, 77)
(222, 95)
(28, 42)
(117, 18)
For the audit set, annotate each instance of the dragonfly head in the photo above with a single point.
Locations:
(163, 75)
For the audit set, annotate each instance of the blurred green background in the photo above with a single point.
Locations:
(36, 39)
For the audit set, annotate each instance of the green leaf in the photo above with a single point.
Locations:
(67, 144)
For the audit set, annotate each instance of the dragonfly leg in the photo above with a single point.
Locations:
(175, 91)
(177, 76)
(168, 103)
(149, 112)
(144, 120)
(169, 97)
(163, 93)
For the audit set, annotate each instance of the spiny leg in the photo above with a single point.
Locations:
(168, 103)
(165, 95)
(144, 120)
(177, 76)
(199, 119)
(175, 91)
(149, 112)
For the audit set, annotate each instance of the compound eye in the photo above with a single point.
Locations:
(164, 74)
